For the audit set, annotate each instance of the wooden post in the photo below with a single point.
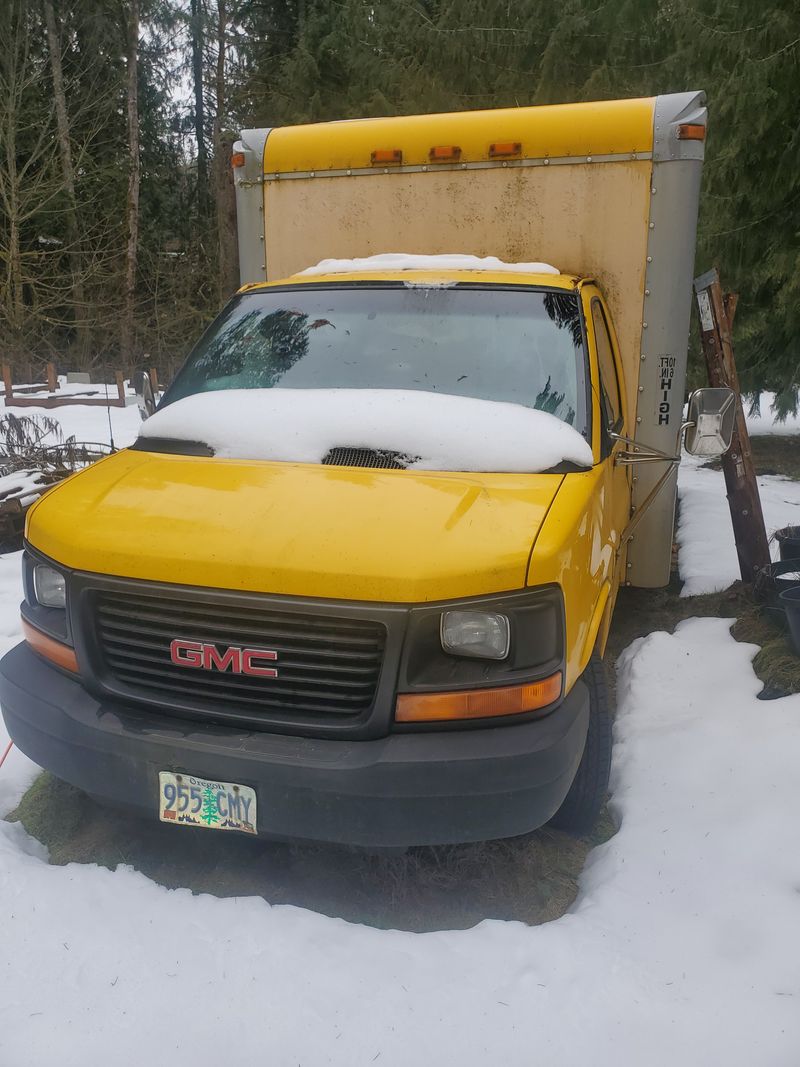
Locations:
(716, 322)
(52, 380)
(120, 386)
(8, 382)
(154, 381)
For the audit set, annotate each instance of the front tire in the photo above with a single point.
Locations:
(581, 807)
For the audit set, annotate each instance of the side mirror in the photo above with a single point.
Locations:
(710, 421)
(144, 394)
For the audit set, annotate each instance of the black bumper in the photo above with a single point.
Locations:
(405, 789)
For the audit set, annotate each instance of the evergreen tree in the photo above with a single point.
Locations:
(64, 146)
(354, 58)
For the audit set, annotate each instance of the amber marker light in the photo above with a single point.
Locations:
(237, 159)
(478, 703)
(690, 131)
(498, 149)
(444, 153)
(386, 157)
(47, 647)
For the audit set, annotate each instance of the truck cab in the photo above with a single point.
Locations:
(354, 580)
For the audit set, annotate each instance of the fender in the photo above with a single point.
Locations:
(599, 626)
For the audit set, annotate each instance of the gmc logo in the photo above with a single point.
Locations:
(209, 658)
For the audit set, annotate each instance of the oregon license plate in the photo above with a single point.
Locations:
(186, 800)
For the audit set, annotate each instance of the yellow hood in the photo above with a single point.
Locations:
(296, 529)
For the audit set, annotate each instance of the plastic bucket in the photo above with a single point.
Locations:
(773, 580)
(790, 601)
(789, 542)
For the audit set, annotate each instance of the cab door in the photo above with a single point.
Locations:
(610, 415)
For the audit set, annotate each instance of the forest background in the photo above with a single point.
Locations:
(117, 119)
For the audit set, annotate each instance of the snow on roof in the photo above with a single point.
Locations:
(435, 431)
(389, 261)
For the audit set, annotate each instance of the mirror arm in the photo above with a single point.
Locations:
(642, 509)
(639, 453)
(651, 455)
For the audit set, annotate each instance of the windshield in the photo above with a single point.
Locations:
(516, 344)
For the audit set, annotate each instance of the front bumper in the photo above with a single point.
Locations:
(403, 789)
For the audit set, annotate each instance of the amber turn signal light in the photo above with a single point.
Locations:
(478, 703)
(690, 131)
(386, 157)
(62, 655)
(444, 153)
(497, 149)
(237, 159)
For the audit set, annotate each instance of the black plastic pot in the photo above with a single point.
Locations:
(790, 601)
(774, 580)
(789, 542)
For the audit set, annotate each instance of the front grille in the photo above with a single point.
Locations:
(326, 665)
(376, 458)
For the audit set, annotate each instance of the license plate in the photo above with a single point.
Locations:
(186, 800)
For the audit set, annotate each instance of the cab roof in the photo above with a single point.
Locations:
(426, 277)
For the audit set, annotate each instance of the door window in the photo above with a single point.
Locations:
(609, 384)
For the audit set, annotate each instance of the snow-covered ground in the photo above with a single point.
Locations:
(707, 558)
(683, 946)
(91, 423)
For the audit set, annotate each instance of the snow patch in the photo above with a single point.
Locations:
(389, 261)
(439, 431)
(23, 485)
(707, 559)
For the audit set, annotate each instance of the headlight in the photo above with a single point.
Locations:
(483, 634)
(49, 586)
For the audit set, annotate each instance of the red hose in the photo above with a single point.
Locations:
(9, 746)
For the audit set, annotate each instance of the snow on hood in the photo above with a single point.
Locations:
(435, 431)
(389, 261)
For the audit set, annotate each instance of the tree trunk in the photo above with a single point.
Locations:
(224, 192)
(79, 306)
(199, 107)
(16, 302)
(127, 340)
(14, 290)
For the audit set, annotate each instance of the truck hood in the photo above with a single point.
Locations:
(295, 529)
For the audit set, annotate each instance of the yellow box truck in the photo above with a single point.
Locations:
(354, 580)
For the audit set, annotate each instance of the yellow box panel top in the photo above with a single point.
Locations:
(598, 128)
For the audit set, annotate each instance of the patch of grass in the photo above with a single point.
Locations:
(776, 663)
(641, 611)
(532, 879)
